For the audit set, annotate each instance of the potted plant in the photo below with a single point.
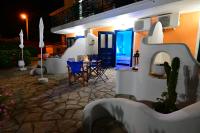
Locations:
(166, 104)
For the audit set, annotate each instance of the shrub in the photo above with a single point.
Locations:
(27, 57)
(9, 58)
(166, 104)
(33, 51)
(9, 44)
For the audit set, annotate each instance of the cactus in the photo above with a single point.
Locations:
(166, 104)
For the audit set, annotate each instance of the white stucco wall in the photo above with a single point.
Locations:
(155, 34)
(146, 87)
(91, 49)
(139, 118)
(82, 47)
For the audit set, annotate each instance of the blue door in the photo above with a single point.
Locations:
(106, 48)
(124, 47)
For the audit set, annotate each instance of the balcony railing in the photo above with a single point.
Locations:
(87, 8)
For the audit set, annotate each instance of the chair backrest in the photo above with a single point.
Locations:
(75, 67)
(104, 63)
(93, 57)
(71, 59)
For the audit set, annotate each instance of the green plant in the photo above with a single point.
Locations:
(9, 44)
(9, 58)
(27, 57)
(33, 51)
(166, 104)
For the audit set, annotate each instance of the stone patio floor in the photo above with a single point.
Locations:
(54, 107)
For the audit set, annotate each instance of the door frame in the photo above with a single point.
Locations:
(132, 41)
(106, 43)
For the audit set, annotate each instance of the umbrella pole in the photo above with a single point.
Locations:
(41, 65)
(22, 54)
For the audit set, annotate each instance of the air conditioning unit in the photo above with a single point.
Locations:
(169, 20)
(142, 24)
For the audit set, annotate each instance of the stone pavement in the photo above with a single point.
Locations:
(54, 107)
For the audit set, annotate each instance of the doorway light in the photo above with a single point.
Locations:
(77, 30)
(123, 22)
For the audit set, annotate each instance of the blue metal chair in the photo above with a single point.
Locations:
(97, 68)
(93, 65)
(102, 68)
(76, 72)
(71, 59)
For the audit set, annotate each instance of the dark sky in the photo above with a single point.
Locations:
(11, 23)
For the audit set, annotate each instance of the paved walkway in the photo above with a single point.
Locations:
(50, 108)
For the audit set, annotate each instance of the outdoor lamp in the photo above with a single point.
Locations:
(25, 17)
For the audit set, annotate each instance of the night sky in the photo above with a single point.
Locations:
(11, 23)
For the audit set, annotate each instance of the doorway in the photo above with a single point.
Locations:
(124, 47)
(106, 48)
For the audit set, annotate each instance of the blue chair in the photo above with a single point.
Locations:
(76, 72)
(102, 68)
(93, 57)
(71, 59)
(97, 69)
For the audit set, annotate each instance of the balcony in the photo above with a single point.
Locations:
(87, 8)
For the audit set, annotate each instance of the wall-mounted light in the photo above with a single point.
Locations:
(77, 30)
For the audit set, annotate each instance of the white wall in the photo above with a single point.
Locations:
(82, 47)
(91, 49)
(146, 87)
(139, 118)
(155, 34)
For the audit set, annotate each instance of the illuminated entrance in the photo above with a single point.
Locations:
(124, 47)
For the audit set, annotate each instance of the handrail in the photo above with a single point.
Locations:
(85, 9)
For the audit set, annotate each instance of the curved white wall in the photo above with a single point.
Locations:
(139, 118)
(162, 57)
(91, 49)
(82, 47)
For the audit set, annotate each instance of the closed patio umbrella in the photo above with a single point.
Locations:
(21, 63)
(41, 45)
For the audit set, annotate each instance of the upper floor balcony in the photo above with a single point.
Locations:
(86, 8)
(114, 13)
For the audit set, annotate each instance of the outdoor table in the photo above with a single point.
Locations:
(91, 69)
